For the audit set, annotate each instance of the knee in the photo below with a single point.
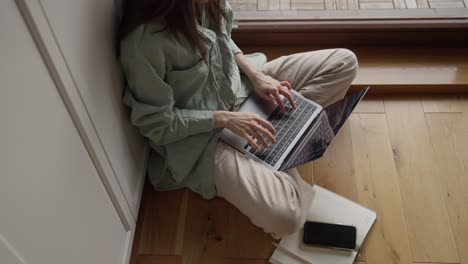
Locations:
(288, 220)
(349, 61)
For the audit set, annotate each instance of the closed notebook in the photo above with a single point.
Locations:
(327, 207)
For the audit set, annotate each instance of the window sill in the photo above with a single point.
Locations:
(351, 32)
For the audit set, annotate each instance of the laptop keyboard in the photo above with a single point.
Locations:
(287, 126)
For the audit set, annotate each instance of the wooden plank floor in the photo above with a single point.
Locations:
(404, 156)
(306, 5)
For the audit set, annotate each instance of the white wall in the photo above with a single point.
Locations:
(56, 206)
(84, 30)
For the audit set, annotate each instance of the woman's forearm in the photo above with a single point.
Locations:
(248, 68)
(265, 86)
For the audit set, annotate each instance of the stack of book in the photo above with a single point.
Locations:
(327, 207)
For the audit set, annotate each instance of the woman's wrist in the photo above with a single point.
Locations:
(256, 77)
(220, 118)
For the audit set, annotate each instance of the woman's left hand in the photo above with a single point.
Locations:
(270, 90)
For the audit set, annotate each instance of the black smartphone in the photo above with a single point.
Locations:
(329, 235)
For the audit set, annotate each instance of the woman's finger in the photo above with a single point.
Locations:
(251, 141)
(287, 84)
(288, 96)
(264, 123)
(265, 133)
(259, 138)
(278, 99)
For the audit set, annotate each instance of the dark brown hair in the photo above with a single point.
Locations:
(179, 16)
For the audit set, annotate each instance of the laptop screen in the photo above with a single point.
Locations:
(339, 111)
(324, 129)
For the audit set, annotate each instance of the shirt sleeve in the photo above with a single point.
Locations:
(152, 103)
(230, 21)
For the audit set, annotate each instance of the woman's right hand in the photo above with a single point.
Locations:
(247, 125)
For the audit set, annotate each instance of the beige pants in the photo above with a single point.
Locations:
(276, 201)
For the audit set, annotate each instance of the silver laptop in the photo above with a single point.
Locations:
(302, 134)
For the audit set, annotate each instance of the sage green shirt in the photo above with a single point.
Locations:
(172, 94)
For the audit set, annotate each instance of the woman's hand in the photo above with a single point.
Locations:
(270, 89)
(247, 125)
